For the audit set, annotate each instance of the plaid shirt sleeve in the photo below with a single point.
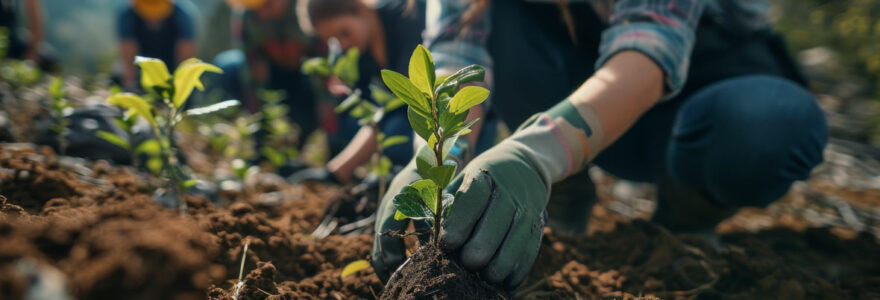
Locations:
(452, 43)
(663, 30)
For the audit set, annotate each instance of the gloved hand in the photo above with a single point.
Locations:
(496, 221)
(313, 175)
(498, 217)
(389, 251)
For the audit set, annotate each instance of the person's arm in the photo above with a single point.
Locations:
(456, 43)
(35, 26)
(128, 49)
(186, 46)
(356, 153)
(501, 195)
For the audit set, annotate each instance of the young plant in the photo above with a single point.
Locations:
(276, 130)
(148, 147)
(437, 113)
(370, 114)
(345, 67)
(164, 115)
(59, 108)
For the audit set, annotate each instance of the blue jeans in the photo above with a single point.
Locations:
(743, 141)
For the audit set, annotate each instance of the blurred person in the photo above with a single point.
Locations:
(385, 32)
(26, 47)
(271, 47)
(159, 29)
(697, 96)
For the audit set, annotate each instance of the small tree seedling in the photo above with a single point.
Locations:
(437, 111)
(59, 109)
(164, 115)
(345, 67)
(276, 143)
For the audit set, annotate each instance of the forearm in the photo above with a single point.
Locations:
(567, 137)
(355, 154)
(620, 92)
(185, 50)
(35, 23)
(127, 52)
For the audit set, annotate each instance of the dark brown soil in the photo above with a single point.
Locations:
(102, 232)
(430, 274)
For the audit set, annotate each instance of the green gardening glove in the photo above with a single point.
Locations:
(497, 218)
(389, 251)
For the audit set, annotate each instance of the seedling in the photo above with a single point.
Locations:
(276, 145)
(59, 109)
(437, 113)
(345, 67)
(148, 147)
(164, 115)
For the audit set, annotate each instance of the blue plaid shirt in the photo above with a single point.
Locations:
(663, 30)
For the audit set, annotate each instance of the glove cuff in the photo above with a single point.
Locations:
(561, 141)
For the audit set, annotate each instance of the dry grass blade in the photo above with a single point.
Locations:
(240, 283)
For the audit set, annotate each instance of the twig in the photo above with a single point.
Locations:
(240, 283)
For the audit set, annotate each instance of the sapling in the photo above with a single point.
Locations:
(437, 111)
(276, 129)
(165, 114)
(345, 67)
(59, 108)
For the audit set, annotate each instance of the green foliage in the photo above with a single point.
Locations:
(279, 143)
(173, 90)
(438, 108)
(850, 27)
(345, 67)
(59, 108)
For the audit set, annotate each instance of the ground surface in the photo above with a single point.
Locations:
(96, 230)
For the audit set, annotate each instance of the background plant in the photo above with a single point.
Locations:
(59, 109)
(165, 114)
(345, 67)
(437, 111)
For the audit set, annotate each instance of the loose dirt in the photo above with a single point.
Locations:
(102, 232)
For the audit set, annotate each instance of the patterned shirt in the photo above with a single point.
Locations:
(663, 30)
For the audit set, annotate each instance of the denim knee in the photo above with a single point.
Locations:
(745, 140)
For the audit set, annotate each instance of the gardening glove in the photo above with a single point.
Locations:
(389, 251)
(321, 175)
(497, 219)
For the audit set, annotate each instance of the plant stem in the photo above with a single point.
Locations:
(438, 154)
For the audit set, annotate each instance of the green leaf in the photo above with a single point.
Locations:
(274, 156)
(409, 204)
(466, 98)
(449, 121)
(154, 164)
(448, 201)
(190, 183)
(448, 144)
(349, 102)
(383, 168)
(153, 72)
(425, 160)
(465, 75)
(442, 175)
(380, 95)
(428, 192)
(204, 110)
(56, 88)
(394, 140)
(113, 139)
(421, 70)
(316, 66)
(186, 78)
(149, 147)
(419, 123)
(440, 80)
(134, 103)
(406, 91)
(393, 104)
(346, 67)
(398, 216)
